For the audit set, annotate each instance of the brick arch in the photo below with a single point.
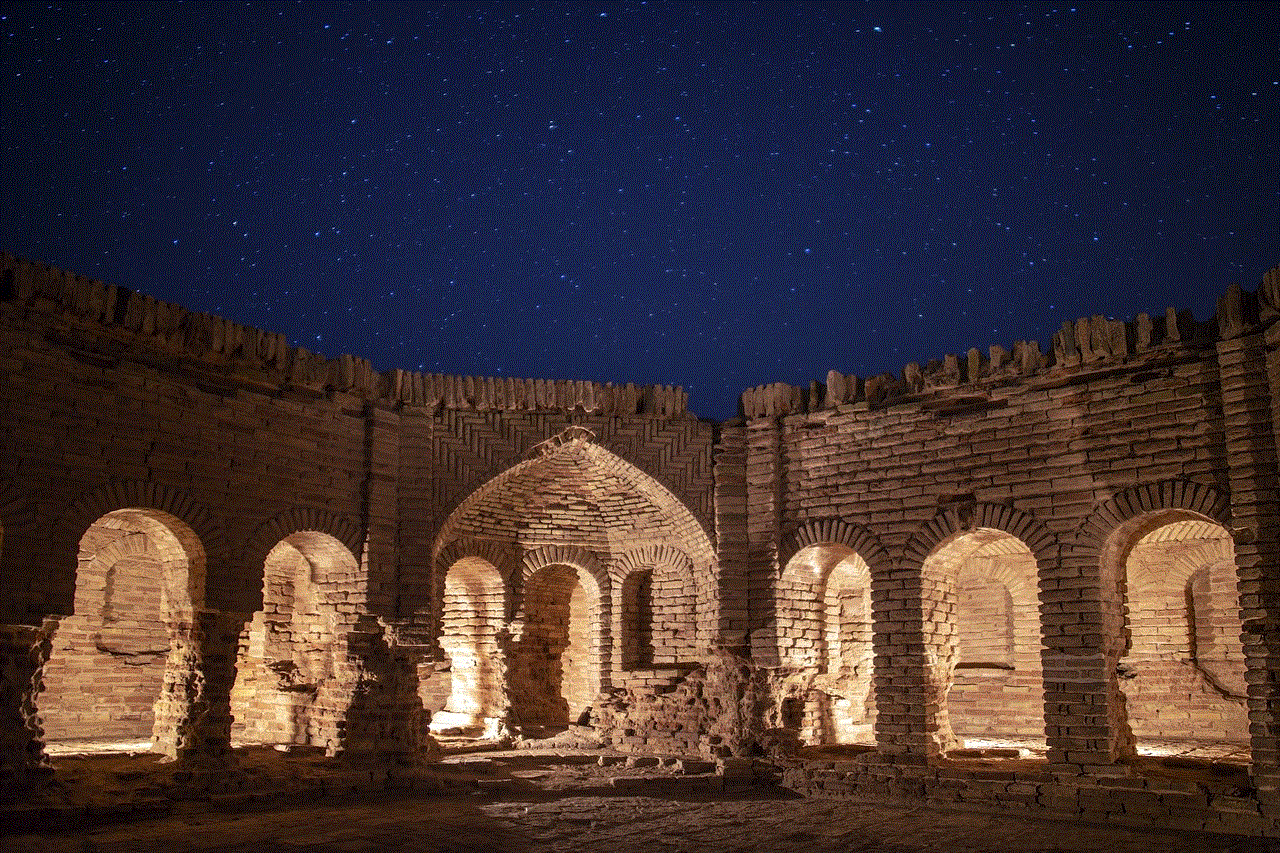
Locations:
(138, 494)
(207, 546)
(938, 598)
(1117, 524)
(971, 517)
(569, 555)
(165, 683)
(268, 534)
(1102, 549)
(298, 520)
(1143, 500)
(593, 576)
(174, 563)
(689, 527)
(474, 611)
(620, 503)
(518, 448)
(673, 604)
(505, 557)
(836, 531)
(646, 556)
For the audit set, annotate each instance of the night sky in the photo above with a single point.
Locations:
(703, 194)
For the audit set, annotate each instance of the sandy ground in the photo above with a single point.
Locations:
(519, 801)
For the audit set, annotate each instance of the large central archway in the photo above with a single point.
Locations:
(596, 536)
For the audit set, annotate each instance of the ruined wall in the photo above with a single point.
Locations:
(1073, 549)
(115, 402)
(1082, 634)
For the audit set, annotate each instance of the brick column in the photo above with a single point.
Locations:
(381, 508)
(764, 499)
(376, 712)
(23, 652)
(730, 473)
(385, 720)
(1081, 623)
(193, 713)
(911, 721)
(1250, 384)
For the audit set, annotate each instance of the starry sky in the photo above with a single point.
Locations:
(714, 195)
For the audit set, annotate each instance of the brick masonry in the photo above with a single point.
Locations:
(1075, 547)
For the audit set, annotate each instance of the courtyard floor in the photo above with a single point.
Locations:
(522, 800)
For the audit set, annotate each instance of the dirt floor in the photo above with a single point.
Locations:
(520, 800)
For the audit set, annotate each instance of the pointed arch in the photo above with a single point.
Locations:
(572, 492)
(979, 568)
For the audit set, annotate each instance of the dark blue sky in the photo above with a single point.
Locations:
(704, 194)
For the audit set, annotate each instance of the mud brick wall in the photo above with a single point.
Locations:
(1075, 546)
(219, 444)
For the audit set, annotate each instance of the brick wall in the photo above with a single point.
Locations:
(1076, 545)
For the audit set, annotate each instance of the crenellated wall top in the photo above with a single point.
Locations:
(237, 356)
(1081, 347)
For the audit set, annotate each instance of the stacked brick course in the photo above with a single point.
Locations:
(1075, 548)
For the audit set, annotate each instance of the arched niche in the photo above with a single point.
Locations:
(572, 493)
(293, 682)
(657, 602)
(637, 650)
(980, 605)
(118, 665)
(472, 625)
(1181, 669)
(825, 645)
(557, 669)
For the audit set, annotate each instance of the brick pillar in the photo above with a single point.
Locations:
(23, 652)
(376, 710)
(381, 508)
(730, 472)
(1082, 619)
(907, 705)
(764, 499)
(193, 713)
(385, 720)
(1250, 382)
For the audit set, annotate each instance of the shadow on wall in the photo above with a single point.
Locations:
(555, 674)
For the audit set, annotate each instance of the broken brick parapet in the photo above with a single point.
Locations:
(215, 350)
(1079, 348)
